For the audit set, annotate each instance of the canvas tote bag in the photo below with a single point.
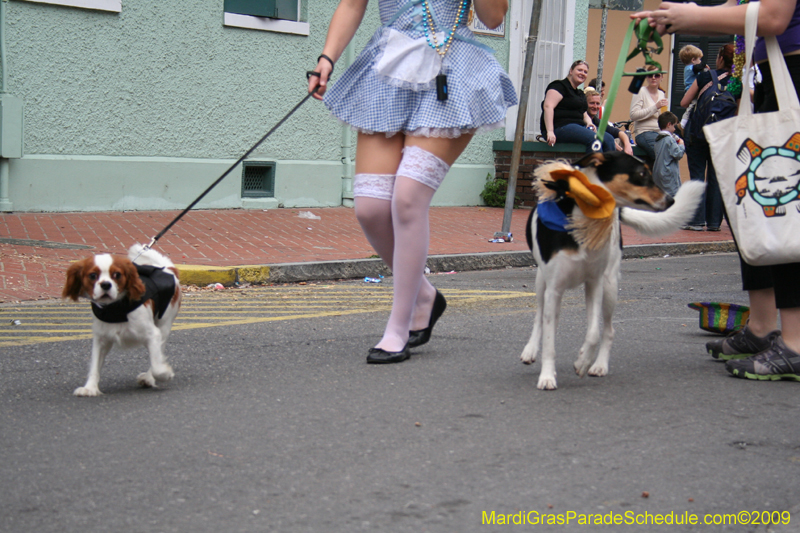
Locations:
(757, 159)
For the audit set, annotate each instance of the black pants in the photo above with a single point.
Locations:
(785, 279)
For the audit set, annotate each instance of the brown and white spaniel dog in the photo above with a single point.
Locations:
(134, 304)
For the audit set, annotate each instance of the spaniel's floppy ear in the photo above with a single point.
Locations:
(74, 285)
(133, 285)
(592, 160)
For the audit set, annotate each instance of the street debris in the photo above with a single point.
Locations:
(309, 215)
(502, 237)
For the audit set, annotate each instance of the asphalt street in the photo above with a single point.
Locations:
(274, 422)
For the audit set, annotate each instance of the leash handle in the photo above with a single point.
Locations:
(230, 169)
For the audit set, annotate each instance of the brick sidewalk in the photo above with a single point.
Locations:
(239, 237)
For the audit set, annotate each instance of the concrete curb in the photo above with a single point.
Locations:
(358, 268)
(693, 248)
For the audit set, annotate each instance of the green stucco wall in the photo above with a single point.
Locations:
(152, 102)
(160, 79)
(581, 23)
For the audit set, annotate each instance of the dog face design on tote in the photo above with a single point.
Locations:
(772, 175)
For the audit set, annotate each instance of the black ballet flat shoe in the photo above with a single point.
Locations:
(421, 336)
(378, 356)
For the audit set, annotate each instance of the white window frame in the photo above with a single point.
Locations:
(553, 56)
(114, 6)
(236, 20)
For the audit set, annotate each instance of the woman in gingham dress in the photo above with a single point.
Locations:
(410, 132)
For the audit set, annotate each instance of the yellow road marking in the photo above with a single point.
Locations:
(43, 322)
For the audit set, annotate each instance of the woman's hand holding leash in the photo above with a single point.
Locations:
(669, 17)
(723, 19)
(319, 77)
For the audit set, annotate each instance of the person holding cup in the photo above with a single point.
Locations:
(646, 106)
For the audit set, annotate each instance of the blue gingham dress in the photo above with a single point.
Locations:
(479, 90)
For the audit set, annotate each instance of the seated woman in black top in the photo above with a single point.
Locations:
(564, 112)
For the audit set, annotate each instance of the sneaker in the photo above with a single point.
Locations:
(693, 228)
(740, 344)
(776, 362)
(714, 229)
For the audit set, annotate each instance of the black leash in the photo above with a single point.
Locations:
(250, 151)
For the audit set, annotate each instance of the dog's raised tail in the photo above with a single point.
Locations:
(665, 222)
(146, 256)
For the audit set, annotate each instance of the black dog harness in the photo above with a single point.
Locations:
(159, 287)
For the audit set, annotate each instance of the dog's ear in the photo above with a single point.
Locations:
(133, 285)
(74, 284)
(592, 160)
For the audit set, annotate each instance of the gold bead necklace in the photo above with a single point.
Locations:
(441, 49)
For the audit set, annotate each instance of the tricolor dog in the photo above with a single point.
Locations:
(134, 304)
(574, 234)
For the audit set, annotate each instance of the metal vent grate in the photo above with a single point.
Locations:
(258, 179)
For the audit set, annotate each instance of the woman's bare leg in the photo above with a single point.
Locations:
(377, 156)
(763, 313)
